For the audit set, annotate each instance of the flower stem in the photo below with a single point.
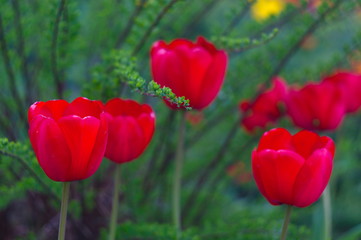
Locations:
(63, 210)
(327, 214)
(286, 222)
(114, 214)
(178, 176)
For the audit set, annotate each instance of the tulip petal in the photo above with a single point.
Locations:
(129, 145)
(299, 112)
(277, 170)
(146, 123)
(81, 135)
(83, 107)
(50, 147)
(169, 70)
(195, 62)
(305, 142)
(278, 138)
(53, 109)
(99, 146)
(213, 79)
(313, 178)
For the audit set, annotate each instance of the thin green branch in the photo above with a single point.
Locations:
(205, 172)
(10, 73)
(59, 82)
(128, 27)
(21, 52)
(197, 18)
(235, 21)
(31, 171)
(152, 26)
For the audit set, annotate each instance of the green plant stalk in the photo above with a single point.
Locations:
(178, 176)
(63, 210)
(286, 222)
(115, 205)
(327, 214)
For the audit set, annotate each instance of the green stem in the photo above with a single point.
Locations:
(327, 214)
(178, 176)
(286, 222)
(114, 214)
(63, 210)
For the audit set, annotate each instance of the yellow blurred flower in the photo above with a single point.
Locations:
(263, 9)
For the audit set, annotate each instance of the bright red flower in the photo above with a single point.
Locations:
(265, 109)
(316, 106)
(193, 70)
(69, 139)
(350, 84)
(292, 170)
(131, 127)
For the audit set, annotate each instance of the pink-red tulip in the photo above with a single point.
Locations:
(193, 70)
(69, 139)
(316, 106)
(350, 84)
(292, 170)
(265, 109)
(131, 127)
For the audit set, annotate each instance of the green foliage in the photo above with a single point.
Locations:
(243, 228)
(242, 44)
(20, 173)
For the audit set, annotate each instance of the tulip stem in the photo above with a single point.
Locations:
(114, 214)
(327, 214)
(286, 222)
(178, 176)
(63, 210)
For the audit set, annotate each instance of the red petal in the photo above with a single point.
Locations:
(201, 41)
(197, 84)
(213, 79)
(50, 148)
(81, 135)
(52, 109)
(121, 107)
(99, 146)
(168, 70)
(277, 170)
(313, 178)
(84, 107)
(277, 138)
(125, 140)
(304, 142)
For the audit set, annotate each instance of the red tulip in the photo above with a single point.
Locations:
(292, 170)
(350, 84)
(316, 106)
(265, 109)
(131, 127)
(193, 70)
(69, 139)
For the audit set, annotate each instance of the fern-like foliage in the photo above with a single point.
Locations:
(241, 44)
(20, 173)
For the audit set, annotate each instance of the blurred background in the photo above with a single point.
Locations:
(64, 49)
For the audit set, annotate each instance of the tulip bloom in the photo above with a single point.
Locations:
(265, 109)
(193, 70)
(292, 170)
(350, 84)
(69, 139)
(316, 106)
(131, 127)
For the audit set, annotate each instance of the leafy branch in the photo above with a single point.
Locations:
(235, 45)
(120, 68)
